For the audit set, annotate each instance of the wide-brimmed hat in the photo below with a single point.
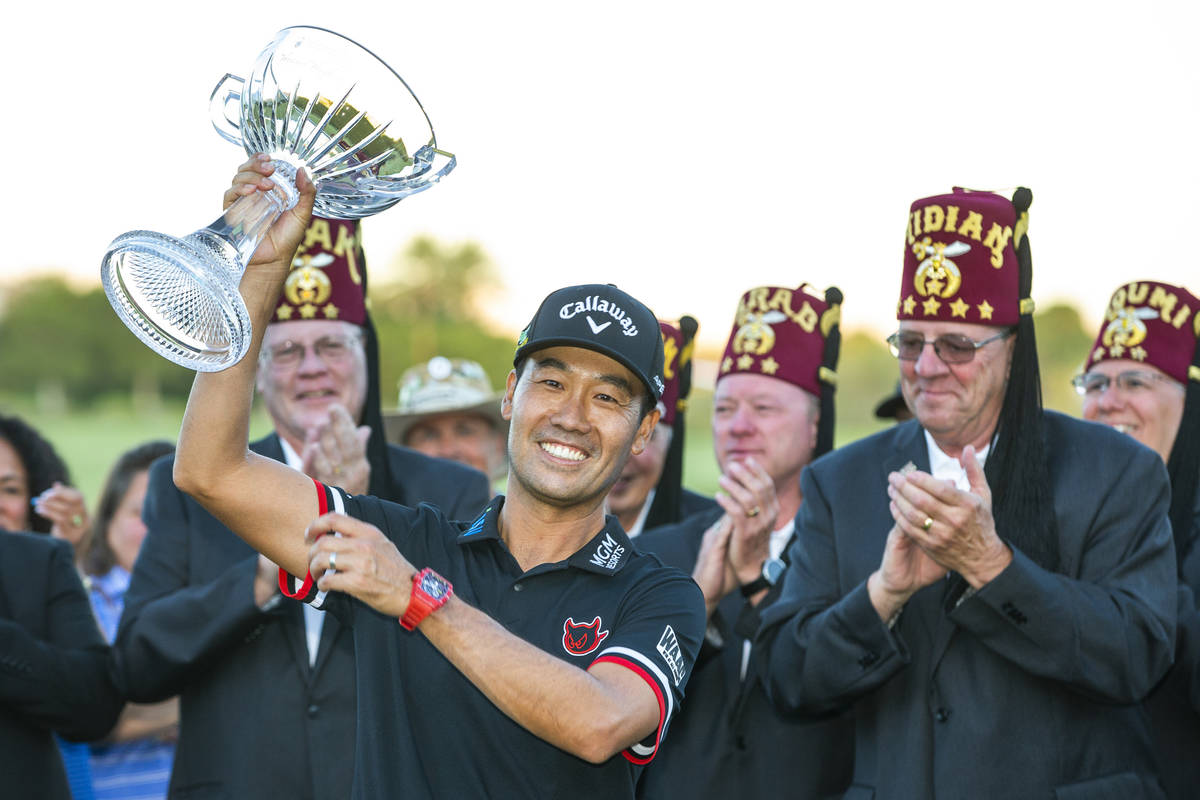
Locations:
(443, 386)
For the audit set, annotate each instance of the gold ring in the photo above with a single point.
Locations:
(333, 561)
(337, 470)
(928, 523)
(754, 512)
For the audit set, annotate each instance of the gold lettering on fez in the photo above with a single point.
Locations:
(1165, 301)
(972, 226)
(951, 217)
(670, 350)
(934, 218)
(1137, 293)
(318, 233)
(997, 240)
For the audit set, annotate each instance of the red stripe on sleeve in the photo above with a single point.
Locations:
(308, 589)
(658, 695)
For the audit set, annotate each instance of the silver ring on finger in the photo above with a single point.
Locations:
(333, 561)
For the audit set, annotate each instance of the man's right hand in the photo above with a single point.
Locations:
(285, 234)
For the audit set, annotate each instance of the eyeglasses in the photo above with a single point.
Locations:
(330, 349)
(952, 348)
(1094, 384)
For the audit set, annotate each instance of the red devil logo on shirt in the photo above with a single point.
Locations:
(579, 640)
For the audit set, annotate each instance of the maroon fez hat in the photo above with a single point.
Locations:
(1154, 323)
(960, 260)
(781, 333)
(676, 356)
(327, 280)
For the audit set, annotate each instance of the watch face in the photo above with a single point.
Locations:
(433, 586)
(773, 570)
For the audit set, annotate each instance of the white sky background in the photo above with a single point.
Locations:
(684, 151)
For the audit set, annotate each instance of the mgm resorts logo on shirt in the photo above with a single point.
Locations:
(600, 306)
(608, 553)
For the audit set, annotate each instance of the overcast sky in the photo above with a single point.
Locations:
(684, 151)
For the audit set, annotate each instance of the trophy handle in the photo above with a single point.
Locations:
(227, 98)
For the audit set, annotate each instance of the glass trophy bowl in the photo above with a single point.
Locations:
(316, 101)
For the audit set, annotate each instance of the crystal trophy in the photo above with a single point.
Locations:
(314, 100)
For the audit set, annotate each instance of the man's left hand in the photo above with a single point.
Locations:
(367, 565)
(954, 527)
(748, 497)
(336, 453)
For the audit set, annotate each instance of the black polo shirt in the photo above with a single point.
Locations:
(424, 730)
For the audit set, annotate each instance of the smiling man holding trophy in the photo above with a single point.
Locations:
(204, 617)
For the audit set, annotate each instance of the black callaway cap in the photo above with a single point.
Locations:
(602, 318)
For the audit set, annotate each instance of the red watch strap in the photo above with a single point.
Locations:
(421, 604)
(287, 582)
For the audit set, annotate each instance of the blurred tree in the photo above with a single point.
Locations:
(56, 342)
(1062, 347)
(429, 304)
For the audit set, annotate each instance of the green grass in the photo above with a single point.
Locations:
(90, 441)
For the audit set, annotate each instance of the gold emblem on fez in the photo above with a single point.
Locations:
(307, 283)
(937, 274)
(755, 334)
(1127, 328)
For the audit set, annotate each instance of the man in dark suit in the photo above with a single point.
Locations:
(267, 686)
(54, 673)
(772, 414)
(990, 586)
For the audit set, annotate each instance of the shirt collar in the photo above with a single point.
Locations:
(290, 456)
(606, 553)
(943, 467)
(113, 583)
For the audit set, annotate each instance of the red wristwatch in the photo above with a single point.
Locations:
(430, 592)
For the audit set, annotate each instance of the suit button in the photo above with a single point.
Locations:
(518, 587)
(312, 711)
(942, 714)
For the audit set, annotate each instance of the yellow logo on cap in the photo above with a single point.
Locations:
(755, 334)
(307, 283)
(937, 275)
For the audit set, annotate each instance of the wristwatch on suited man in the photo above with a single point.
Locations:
(430, 592)
(772, 570)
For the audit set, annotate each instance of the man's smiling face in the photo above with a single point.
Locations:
(575, 418)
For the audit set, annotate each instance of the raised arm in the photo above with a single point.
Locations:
(264, 502)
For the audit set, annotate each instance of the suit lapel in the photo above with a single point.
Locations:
(330, 628)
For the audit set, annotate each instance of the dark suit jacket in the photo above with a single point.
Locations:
(1174, 705)
(256, 720)
(54, 666)
(1028, 688)
(728, 741)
